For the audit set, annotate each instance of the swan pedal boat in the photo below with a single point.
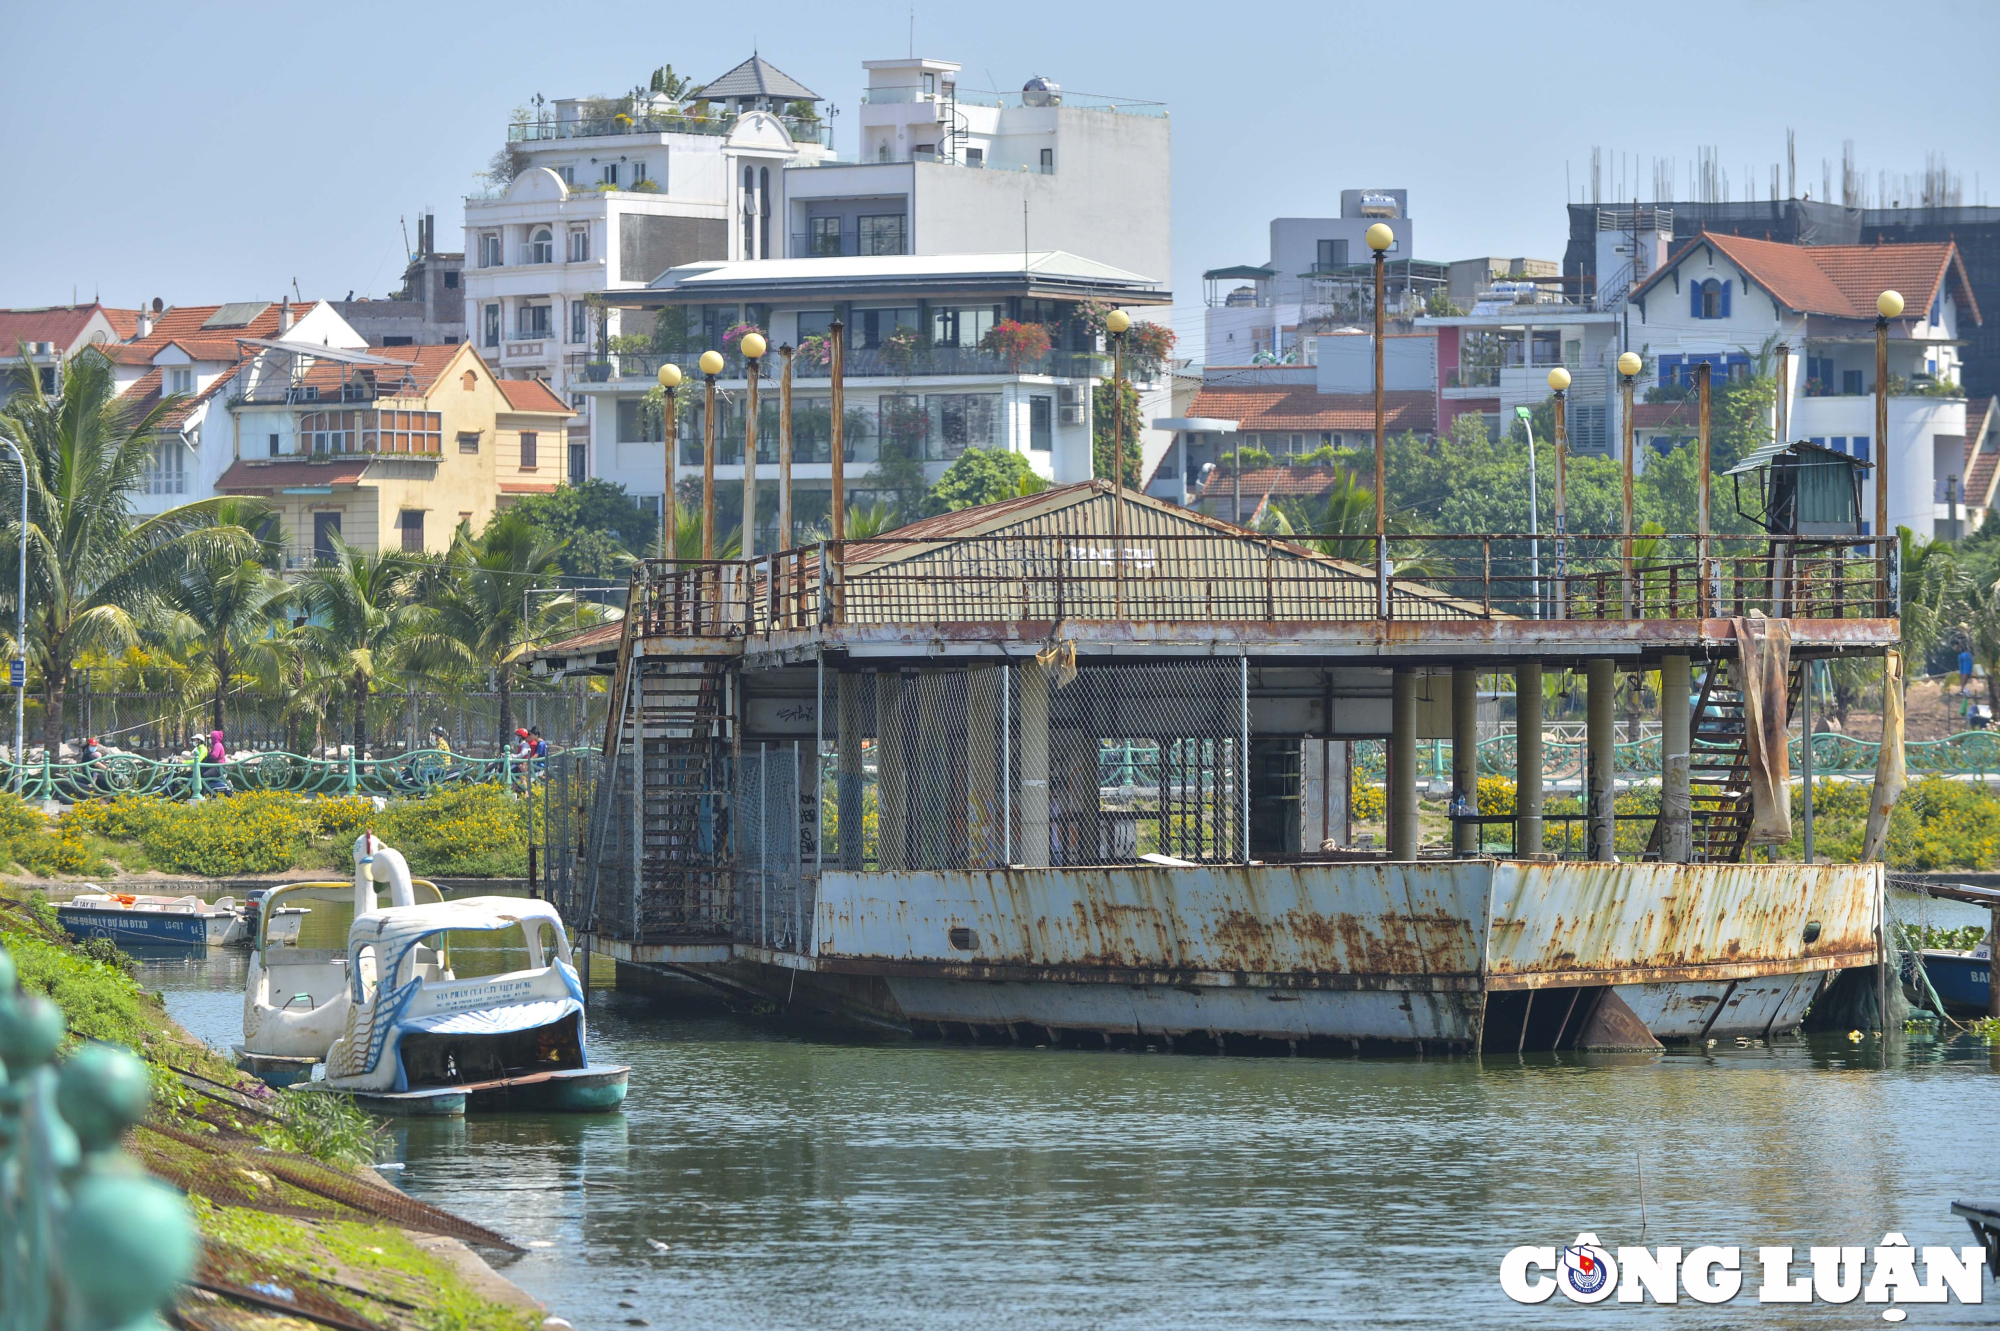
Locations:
(420, 1041)
(294, 998)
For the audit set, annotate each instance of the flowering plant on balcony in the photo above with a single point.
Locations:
(902, 348)
(738, 333)
(816, 351)
(1147, 347)
(1016, 342)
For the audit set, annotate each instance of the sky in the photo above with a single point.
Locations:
(204, 153)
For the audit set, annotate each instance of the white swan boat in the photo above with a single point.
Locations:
(295, 999)
(418, 1041)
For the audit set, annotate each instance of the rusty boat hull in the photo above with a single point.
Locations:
(1454, 954)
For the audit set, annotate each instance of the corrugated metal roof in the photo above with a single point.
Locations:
(1757, 459)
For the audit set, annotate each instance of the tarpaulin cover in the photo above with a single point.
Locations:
(496, 1020)
(1764, 651)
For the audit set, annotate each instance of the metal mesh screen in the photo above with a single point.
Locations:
(568, 795)
(774, 839)
(984, 766)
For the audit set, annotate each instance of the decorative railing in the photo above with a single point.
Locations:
(413, 773)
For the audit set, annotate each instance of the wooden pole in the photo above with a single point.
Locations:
(837, 369)
(1118, 469)
(1562, 504)
(708, 471)
(785, 447)
(1882, 532)
(1626, 583)
(1701, 520)
(749, 539)
(1381, 462)
(670, 436)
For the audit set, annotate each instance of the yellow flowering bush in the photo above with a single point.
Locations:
(464, 832)
(1371, 804)
(262, 832)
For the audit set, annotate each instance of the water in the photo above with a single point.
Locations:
(804, 1181)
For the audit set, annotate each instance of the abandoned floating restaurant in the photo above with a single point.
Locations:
(867, 780)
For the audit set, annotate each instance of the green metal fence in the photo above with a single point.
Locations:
(413, 773)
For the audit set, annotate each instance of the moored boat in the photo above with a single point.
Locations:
(123, 917)
(1963, 979)
(278, 923)
(419, 1042)
(295, 999)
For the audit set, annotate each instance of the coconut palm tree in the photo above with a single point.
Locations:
(687, 537)
(227, 600)
(481, 615)
(364, 609)
(94, 568)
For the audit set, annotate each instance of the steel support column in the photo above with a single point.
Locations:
(1403, 767)
(1528, 757)
(1676, 821)
(1465, 755)
(1602, 738)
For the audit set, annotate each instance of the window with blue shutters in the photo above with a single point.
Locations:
(1861, 447)
(1710, 300)
(1840, 443)
(1695, 301)
(1725, 299)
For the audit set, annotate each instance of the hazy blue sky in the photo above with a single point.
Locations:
(210, 152)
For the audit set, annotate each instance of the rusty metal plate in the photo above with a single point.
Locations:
(1573, 923)
(1265, 920)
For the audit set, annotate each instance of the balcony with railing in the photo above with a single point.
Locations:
(549, 130)
(861, 363)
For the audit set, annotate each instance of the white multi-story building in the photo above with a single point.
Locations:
(607, 194)
(1318, 277)
(1727, 301)
(963, 211)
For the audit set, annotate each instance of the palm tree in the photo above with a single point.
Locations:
(687, 537)
(226, 600)
(364, 609)
(1933, 587)
(1343, 526)
(481, 615)
(93, 569)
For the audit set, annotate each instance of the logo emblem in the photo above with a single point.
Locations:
(1585, 1271)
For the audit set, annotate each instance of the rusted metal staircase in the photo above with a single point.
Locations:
(660, 852)
(1719, 764)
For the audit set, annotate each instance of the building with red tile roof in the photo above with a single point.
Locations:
(387, 447)
(44, 337)
(1727, 302)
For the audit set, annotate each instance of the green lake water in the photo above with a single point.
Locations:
(808, 1180)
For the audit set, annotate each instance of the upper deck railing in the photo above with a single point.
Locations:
(1251, 579)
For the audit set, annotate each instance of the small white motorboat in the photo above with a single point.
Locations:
(129, 918)
(295, 999)
(421, 1041)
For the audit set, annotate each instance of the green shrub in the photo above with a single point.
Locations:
(468, 832)
(1371, 804)
(219, 838)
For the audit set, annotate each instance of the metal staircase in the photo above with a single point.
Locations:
(659, 858)
(1719, 767)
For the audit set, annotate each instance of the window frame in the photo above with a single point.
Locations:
(541, 246)
(530, 451)
(468, 441)
(522, 327)
(868, 240)
(579, 244)
(489, 249)
(495, 323)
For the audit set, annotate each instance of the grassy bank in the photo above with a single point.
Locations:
(275, 1180)
(463, 832)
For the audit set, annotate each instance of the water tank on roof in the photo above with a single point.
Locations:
(1039, 91)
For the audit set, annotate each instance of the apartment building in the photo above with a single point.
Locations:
(1319, 276)
(387, 447)
(963, 211)
(605, 194)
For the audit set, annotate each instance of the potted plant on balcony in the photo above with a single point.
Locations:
(1016, 343)
(902, 349)
(1147, 347)
(815, 353)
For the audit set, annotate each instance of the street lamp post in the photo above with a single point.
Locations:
(711, 366)
(753, 347)
(1559, 381)
(1888, 305)
(670, 379)
(1380, 238)
(1629, 365)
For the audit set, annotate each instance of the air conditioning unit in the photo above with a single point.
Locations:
(1069, 404)
(1070, 415)
(43, 348)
